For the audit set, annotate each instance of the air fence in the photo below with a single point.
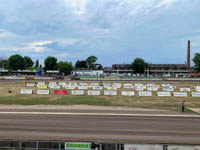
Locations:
(62, 145)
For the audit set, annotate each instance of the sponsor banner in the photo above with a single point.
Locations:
(145, 93)
(26, 91)
(77, 92)
(93, 92)
(166, 85)
(69, 87)
(143, 147)
(83, 84)
(197, 88)
(82, 87)
(97, 87)
(151, 85)
(73, 84)
(108, 92)
(128, 86)
(46, 92)
(117, 85)
(62, 83)
(42, 86)
(138, 84)
(94, 84)
(30, 84)
(195, 94)
(152, 89)
(60, 92)
(180, 94)
(106, 84)
(112, 88)
(168, 89)
(41, 83)
(127, 93)
(185, 89)
(77, 146)
(54, 87)
(138, 88)
(163, 93)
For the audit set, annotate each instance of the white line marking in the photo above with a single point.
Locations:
(99, 114)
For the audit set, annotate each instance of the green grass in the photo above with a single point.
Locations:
(63, 100)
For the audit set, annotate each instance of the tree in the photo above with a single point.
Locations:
(81, 64)
(28, 62)
(37, 64)
(139, 65)
(65, 67)
(16, 62)
(90, 61)
(196, 61)
(50, 63)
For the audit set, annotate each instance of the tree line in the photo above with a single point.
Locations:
(17, 62)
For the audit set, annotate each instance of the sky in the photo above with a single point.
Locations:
(115, 31)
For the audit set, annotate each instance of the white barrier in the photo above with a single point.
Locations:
(30, 84)
(195, 94)
(163, 93)
(77, 92)
(26, 91)
(180, 94)
(127, 93)
(45, 92)
(54, 87)
(112, 93)
(145, 93)
(185, 89)
(93, 92)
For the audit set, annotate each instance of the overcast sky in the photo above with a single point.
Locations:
(116, 31)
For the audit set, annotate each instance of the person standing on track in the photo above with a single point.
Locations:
(183, 105)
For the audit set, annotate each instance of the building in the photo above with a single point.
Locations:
(162, 70)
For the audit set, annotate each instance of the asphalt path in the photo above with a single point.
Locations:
(137, 128)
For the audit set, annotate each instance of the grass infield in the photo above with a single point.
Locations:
(153, 102)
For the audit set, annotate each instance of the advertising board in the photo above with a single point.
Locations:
(77, 146)
(108, 92)
(60, 92)
(43, 92)
(145, 93)
(127, 93)
(93, 92)
(77, 92)
(185, 89)
(195, 94)
(128, 86)
(26, 91)
(163, 93)
(180, 94)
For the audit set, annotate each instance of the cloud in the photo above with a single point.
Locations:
(6, 34)
(165, 3)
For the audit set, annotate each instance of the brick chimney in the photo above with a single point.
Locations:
(188, 55)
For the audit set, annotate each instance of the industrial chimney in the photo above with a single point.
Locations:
(188, 55)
